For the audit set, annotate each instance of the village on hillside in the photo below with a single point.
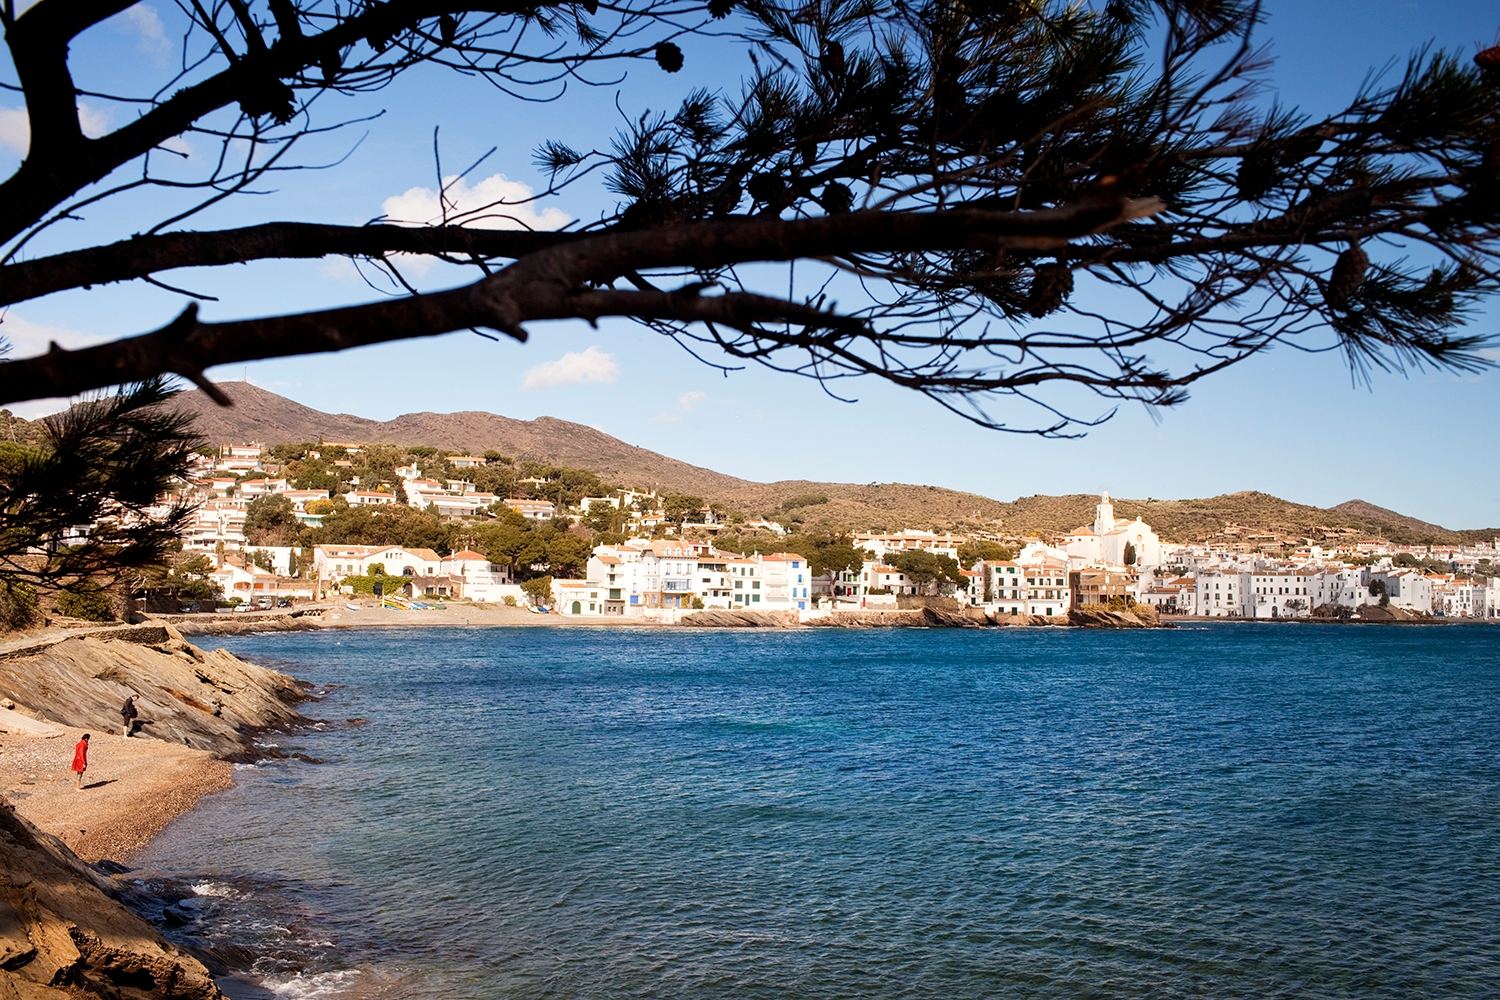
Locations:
(271, 527)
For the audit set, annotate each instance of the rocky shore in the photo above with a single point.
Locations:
(65, 928)
(65, 934)
(207, 700)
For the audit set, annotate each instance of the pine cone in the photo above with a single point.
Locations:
(1257, 174)
(1050, 285)
(1348, 273)
(766, 188)
(668, 56)
(837, 198)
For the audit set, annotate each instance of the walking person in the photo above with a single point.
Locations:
(128, 713)
(81, 760)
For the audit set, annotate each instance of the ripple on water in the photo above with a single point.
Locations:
(1220, 811)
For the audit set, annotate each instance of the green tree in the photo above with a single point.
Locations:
(970, 553)
(104, 462)
(679, 506)
(539, 589)
(837, 558)
(271, 520)
(1129, 553)
(568, 554)
(927, 569)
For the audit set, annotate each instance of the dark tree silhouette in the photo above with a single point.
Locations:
(1047, 200)
(110, 465)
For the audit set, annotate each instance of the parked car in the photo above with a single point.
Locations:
(244, 607)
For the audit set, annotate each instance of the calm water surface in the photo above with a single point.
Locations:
(1232, 810)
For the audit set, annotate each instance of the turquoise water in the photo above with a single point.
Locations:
(1232, 810)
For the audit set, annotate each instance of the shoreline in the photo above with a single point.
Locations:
(341, 617)
(133, 789)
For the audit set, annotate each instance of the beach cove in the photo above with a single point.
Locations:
(1224, 810)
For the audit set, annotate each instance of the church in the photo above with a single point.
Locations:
(1110, 542)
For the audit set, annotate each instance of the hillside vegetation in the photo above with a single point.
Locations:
(259, 415)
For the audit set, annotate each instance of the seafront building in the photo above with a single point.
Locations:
(1109, 562)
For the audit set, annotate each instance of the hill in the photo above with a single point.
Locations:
(259, 415)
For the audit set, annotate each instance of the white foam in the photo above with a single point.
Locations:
(207, 888)
(314, 987)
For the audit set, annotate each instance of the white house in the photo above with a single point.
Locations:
(334, 562)
(1005, 587)
(883, 545)
(241, 578)
(579, 598)
(788, 581)
(280, 557)
(363, 499)
(252, 488)
(712, 583)
(1345, 587)
(214, 524)
(1406, 588)
(533, 510)
(1280, 593)
(1046, 587)
(482, 581)
(1221, 592)
(1459, 599)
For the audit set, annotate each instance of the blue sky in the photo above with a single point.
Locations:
(1288, 423)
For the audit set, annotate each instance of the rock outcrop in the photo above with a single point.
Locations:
(1096, 616)
(206, 700)
(65, 934)
(721, 618)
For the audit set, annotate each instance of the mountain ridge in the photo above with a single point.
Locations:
(264, 416)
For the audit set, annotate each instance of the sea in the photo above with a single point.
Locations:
(1223, 810)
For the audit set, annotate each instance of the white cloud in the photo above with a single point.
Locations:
(689, 401)
(496, 202)
(667, 419)
(177, 144)
(93, 121)
(592, 365)
(15, 127)
(27, 339)
(144, 23)
(15, 130)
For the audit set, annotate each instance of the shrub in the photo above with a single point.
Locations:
(697, 604)
(366, 584)
(510, 600)
(87, 601)
(17, 606)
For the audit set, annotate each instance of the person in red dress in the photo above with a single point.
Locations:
(81, 759)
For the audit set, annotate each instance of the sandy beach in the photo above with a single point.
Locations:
(133, 787)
